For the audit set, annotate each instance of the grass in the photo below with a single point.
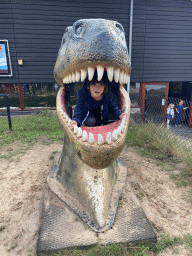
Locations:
(129, 249)
(155, 142)
(30, 128)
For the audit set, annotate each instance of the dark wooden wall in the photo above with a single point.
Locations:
(162, 35)
(162, 41)
(35, 28)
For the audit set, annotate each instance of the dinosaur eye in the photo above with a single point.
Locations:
(119, 27)
(78, 28)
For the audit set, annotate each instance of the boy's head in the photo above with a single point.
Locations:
(181, 102)
(94, 81)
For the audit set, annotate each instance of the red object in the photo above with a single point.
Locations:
(21, 99)
(142, 98)
(1, 48)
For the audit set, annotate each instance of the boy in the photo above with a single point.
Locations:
(179, 109)
(93, 104)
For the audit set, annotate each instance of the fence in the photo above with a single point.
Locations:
(154, 119)
(33, 95)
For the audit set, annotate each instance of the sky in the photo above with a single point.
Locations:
(3, 59)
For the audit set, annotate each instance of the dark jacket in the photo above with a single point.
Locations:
(82, 109)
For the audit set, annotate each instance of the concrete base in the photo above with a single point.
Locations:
(62, 228)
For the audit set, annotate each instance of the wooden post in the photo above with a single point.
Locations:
(21, 99)
(142, 99)
(166, 103)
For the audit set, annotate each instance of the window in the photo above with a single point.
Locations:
(5, 61)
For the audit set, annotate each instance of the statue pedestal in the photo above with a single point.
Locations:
(62, 228)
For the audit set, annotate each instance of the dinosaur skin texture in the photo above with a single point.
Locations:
(90, 46)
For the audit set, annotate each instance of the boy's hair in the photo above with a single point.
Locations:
(94, 81)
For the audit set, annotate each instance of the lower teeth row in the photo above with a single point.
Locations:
(83, 134)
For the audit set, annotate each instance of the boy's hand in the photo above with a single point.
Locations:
(122, 115)
(72, 123)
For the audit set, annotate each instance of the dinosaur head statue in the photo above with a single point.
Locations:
(89, 47)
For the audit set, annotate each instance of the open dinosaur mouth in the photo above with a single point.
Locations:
(105, 134)
(97, 146)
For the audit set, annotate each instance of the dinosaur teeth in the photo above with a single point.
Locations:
(121, 77)
(73, 78)
(83, 74)
(75, 129)
(125, 81)
(85, 136)
(100, 71)
(79, 132)
(78, 76)
(100, 139)
(116, 75)
(70, 78)
(119, 130)
(108, 138)
(114, 135)
(122, 123)
(91, 72)
(91, 138)
(110, 73)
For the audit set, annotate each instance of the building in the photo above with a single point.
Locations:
(161, 39)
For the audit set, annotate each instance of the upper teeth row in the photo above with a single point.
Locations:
(118, 75)
(83, 134)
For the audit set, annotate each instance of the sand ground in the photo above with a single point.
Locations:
(23, 189)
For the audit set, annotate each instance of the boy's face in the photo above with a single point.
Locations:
(181, 102)
(97, 90)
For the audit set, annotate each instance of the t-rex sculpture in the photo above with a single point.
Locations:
(88, 177)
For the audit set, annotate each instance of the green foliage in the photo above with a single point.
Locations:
(128, 249)
(181, 183)
(166, 241)
(30, 128)
(107, 250)
(30, 101)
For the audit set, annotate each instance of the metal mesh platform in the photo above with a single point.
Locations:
(61, 228)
